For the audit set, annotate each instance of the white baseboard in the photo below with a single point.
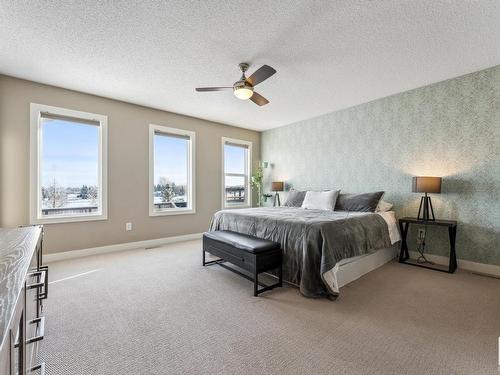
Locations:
(487, 269)
(47, 258)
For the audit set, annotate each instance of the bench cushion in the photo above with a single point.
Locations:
(243, 241)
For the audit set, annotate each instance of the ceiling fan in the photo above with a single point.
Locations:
(244, 88)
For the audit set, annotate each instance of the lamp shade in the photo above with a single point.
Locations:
(422, 184)
(277, 186)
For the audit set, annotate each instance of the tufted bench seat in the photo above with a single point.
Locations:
(255, 255)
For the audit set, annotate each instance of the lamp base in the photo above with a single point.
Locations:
(276, 199)
(425, 211)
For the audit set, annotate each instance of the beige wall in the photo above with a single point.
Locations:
(127, 170)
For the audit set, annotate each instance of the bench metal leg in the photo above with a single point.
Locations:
(255, 278)
(257, 291)
(210, 262)
(280, 274)
(255, 283)
(266, 288)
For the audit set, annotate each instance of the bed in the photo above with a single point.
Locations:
(323, 250)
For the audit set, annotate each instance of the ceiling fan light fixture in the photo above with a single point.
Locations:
(243, 89)
(243, 92)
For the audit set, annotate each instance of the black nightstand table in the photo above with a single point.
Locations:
(404, 256)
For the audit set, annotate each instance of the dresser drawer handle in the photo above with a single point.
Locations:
(40, 330)
(40, 368)
(43, 274)
(45, 293)
(35, 285)
(36, 273)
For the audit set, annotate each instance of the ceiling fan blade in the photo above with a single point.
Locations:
(261, 74)
(204, 89)
(258, 99)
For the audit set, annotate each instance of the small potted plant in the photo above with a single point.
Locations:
(256, 181)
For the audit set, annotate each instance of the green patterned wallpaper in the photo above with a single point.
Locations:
(449, 129)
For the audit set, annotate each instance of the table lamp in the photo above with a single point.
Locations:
(424, 184)
(276, 187)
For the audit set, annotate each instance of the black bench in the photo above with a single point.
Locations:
(250, 253)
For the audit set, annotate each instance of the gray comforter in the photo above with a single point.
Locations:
(313, 241)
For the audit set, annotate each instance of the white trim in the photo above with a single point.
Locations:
(247, 176)
(35, 151)
(467, 265)
(191, 163)
(47, 258)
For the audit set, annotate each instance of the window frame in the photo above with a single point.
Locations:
(248, 170)
(191, 163)
(36, 111)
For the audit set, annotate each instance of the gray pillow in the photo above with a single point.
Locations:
(358, 202)
(295, 198)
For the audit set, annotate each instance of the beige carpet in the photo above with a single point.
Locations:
(159, 311)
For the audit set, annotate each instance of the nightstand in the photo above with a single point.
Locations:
(404, 256)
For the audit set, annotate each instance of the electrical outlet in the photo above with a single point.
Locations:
(420, 236)
(128, 226)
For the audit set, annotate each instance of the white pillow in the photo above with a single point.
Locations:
(320, 200)
(383, 206)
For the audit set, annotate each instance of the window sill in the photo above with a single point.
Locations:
(68, 219)
(172, 212)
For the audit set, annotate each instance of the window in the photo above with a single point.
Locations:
(236, 179)
(171, 171)
(68, 165)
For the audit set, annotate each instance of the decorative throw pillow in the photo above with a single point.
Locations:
(320, 200)
(295, 198)
(384, 206)
(359, 202)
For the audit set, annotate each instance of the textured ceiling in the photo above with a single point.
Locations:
(329, 54)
